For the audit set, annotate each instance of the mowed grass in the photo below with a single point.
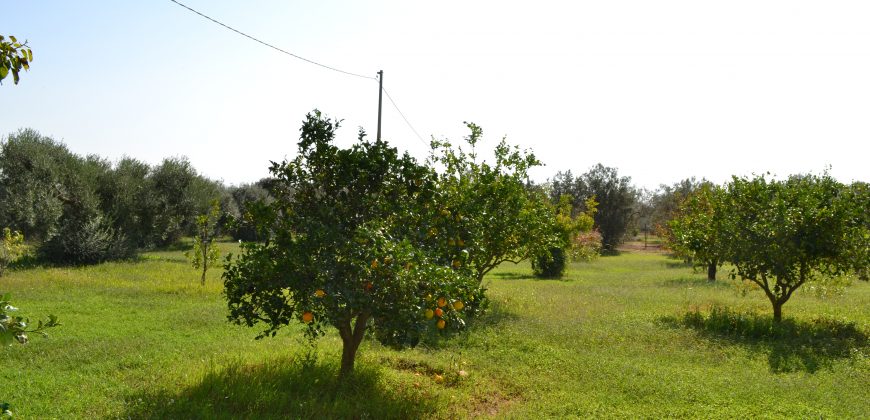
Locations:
(624, 336)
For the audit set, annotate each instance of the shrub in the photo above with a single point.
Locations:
(87, 241)
(550, 265)
(11, 247)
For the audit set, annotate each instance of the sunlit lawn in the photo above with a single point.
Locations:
(144, 339)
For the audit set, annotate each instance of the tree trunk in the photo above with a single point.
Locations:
(348, 356)
(351, 339)
(777, 312)
(711, 271)
(204, 250)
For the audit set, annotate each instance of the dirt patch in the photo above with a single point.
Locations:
(640, 246)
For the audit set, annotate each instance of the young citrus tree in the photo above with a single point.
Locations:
(782, 234)
(576, 239)
(485, 214)
(11, 247)
(696, 231)
(342, 248)
(204, 253)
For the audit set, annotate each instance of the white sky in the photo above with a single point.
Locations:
(662, 90)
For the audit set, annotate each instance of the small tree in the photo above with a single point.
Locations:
(576, 239)
(614, 194)
(342, 247)
(11, 248)
(485, 214)
(696, 233)
(783, 234)
(204, 253)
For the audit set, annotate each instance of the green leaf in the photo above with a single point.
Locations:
(12, 38)
(29, 55)
(3, 71)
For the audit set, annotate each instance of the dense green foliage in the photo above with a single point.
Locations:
(485, 215)
(782, 234)
(86, 210)
(614, 194)
(244, 199)
(343, 247)
(665, 203)
(696, 231)
(575, 239)
(14, 56)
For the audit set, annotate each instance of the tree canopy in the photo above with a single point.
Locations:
(343, 247)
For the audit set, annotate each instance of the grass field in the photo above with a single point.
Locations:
(634, 335)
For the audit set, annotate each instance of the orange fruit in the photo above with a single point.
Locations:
(319, 293)
(458, 305)
(441, 324)
(442, 302)
(369, 285)
(307, 317)
(429, 314)
(374, 263)
(438, 312)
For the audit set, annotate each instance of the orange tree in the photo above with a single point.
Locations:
(342, 247)
(485, 213)
(782, 234)
(696, 232)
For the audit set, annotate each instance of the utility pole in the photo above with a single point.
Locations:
(380, 99)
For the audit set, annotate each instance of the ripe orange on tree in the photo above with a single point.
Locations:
(307, 317)
(441, 324)
(442, 302)
(438, 312)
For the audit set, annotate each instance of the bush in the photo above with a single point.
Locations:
(88, 241)
(550, 265)
(11, 247)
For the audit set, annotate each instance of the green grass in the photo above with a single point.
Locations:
(635, 335)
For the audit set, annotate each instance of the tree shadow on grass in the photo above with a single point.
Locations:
(513, 275)
(495, 313)
(696, 282)
(790, 345)
(282, 389)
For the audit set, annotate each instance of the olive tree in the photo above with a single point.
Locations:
(341, 247)
(782, 234)
(615, 195)
(485, 214)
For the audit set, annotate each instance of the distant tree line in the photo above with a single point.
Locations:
(82, 210)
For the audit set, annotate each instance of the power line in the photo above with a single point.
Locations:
(306, 60)
(405, 118)
(270, 45)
